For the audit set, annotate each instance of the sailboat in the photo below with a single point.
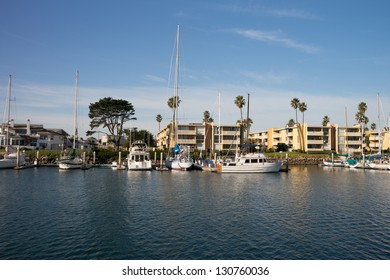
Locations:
(379, 162)
(181, 159)
(73, 161)
(11, 159)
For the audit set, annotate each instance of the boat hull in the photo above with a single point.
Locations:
(67, 166)
(267, 167)
(11, 161)
(179, 164)
(71, 164)
(381, 166)
(335, 164)
(140, 165)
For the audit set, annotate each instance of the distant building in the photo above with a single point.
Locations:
(210, 138)
(330, 138)
(33, 136)
(207, 137)
(106, 141)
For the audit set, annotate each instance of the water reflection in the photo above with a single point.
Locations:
(308, 213)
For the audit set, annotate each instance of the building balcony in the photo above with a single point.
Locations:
(316, 142)
(353, 134)
(315, 133)
(186, 132)
(187, 142)
(230, 133)
(354, 142)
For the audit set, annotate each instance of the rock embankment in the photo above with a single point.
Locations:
(304, 161)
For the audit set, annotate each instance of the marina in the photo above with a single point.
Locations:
(310, 212)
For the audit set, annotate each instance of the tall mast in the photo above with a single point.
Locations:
(7, 140)
(75, 110)
(379, 126)
(247, 120)
(219, 122)
(177, 80)
(346, 132)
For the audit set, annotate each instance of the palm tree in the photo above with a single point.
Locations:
(362, 107)
(325, 121)
(291, 123)
(207, 117)
(173, 103)
(373, 126)
(159, 119)
(303, 108)
(247, 123)
(240, 103)
(295, 104)
(361, 118)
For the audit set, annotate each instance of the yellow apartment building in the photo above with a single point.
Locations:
(207, 137)
(210, 138)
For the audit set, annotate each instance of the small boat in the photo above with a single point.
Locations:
(139, 158)
(11, 160)
(70, 163)
(335, 163)
(116, 165)
(382, 165)
(338, 160)
(205, 165)
(249, 163)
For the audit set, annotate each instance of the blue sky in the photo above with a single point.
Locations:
(331, 55)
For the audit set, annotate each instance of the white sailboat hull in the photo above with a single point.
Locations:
(183, 164)
(382, 166)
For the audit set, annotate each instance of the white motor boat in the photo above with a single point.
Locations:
(249, 163)
(139, 158)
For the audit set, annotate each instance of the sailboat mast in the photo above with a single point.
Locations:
(346, 131)
(177, 80)
(379, 126)
(7, 140)
(247, 120)
(219, 122)
(75, 110)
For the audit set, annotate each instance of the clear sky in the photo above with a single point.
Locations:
(330, 54)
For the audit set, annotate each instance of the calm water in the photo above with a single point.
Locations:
(309, 213)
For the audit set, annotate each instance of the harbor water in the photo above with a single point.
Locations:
(310, 212)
